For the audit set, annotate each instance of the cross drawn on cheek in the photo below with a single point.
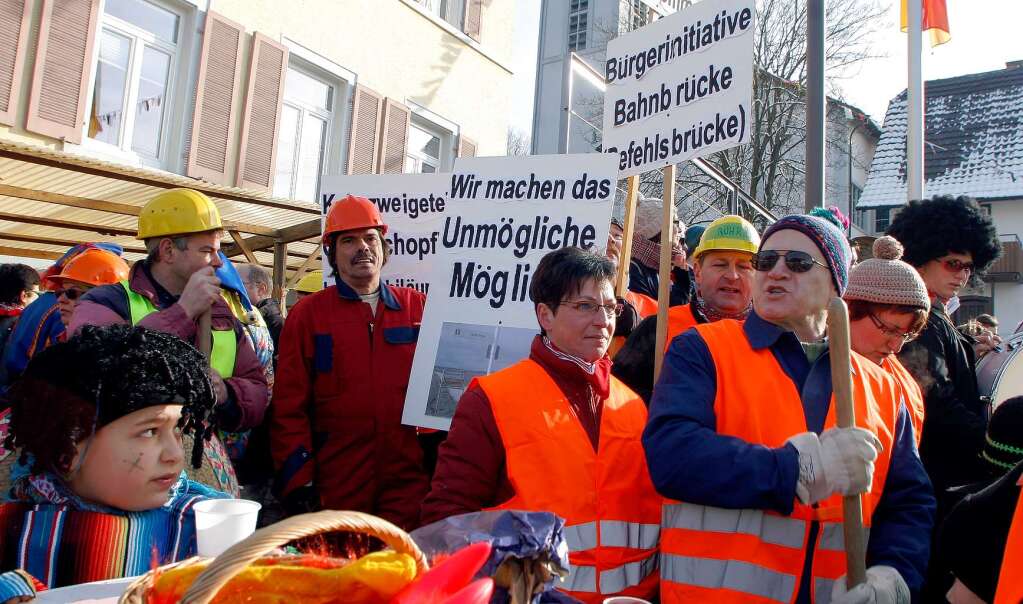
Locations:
(135, 464)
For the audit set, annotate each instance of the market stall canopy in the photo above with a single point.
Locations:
(51, 200)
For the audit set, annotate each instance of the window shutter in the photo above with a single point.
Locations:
(213, 119)
(364, 138)
(262, 114)
(473, 18)
(63, 68)
(466, 146)
(14, 18)
(394, 137)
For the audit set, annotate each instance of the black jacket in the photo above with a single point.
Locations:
(271, 312)
(955, 417)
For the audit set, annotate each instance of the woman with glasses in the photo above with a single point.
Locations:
(742, 440)
(89, 269)
(948, 240)
(556, 432)
(888, 305)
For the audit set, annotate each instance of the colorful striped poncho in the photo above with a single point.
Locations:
(61, 540)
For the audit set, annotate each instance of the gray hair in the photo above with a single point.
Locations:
(255, 274)
(153, 246)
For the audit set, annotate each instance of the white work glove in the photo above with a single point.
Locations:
(884, 586)
(840, 461)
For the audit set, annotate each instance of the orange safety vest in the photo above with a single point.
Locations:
(1010, 578)
(680, 318)
(711, 554)
(914, 397)
(645, 305)
(611, 510)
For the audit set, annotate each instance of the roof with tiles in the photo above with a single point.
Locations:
(973, 141)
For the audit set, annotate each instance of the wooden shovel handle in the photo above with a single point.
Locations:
(841, 381)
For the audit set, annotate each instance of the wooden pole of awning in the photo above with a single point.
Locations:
(664, 278)
(304, 268)
(279, 274)
(240, 241)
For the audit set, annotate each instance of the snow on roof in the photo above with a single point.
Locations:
(973, 141)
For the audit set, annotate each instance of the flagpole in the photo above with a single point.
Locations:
(915, 104)
(816, 102)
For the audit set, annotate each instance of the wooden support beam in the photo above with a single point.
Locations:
(66, 224)
(298, 232)
(113, 207)
(72, 164)
(304, 268)
(21, 252)
(279, 272)
(240, 242)
(63, 242)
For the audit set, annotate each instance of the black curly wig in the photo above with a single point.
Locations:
(931, 228)
(74, 388)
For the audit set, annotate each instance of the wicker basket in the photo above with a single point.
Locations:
(266, 540)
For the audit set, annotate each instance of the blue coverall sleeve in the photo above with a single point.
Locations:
(690, 461)
(900, 533)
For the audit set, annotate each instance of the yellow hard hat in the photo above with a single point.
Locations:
(311, 283)
(729, 233)
(178, 212)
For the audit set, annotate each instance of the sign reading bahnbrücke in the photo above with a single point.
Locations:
(680, 87)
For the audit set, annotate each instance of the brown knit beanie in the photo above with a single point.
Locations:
(884, 279)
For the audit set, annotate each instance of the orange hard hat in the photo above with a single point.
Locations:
(95, 267)
(352, 213)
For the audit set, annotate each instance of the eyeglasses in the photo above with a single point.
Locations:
(71, 293)
(796, 261)
(892, 331)
(590, 308)
(956, 266)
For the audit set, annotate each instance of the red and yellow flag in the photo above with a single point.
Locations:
(935, 20)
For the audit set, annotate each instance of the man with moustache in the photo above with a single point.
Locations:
(723, 274)
(742, 440)
(343, 369)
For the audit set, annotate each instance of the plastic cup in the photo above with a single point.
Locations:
(220, 523)
(625, 600)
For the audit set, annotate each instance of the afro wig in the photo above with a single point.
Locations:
(74, 388)
(931, 228)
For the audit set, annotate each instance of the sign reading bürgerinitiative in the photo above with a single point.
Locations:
(680, 87)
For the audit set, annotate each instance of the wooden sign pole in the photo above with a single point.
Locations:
(664, 279)
(625, 256)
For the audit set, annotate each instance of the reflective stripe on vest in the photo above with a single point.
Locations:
(611, 509)
(758, 552)
(680, 318)
(225, 343)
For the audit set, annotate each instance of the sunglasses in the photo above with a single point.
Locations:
(795, 261)
(71, 294)
(956, 266)
(892, 331)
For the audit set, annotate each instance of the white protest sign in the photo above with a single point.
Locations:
(413, 208)
(503, 215)
(680, 87)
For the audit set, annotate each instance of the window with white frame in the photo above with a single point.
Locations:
(307, 118)
(882, 218)
(139, 55)
(578, 24)
(426, 144)
(452, 11)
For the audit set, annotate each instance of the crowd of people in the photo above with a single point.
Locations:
(131, 393)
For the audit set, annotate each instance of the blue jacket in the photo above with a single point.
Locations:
(689, 461)
(38, 328)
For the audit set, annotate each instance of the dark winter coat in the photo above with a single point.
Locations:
(644, 280)
(955, 418)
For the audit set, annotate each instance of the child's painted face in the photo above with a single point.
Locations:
(132, 462)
